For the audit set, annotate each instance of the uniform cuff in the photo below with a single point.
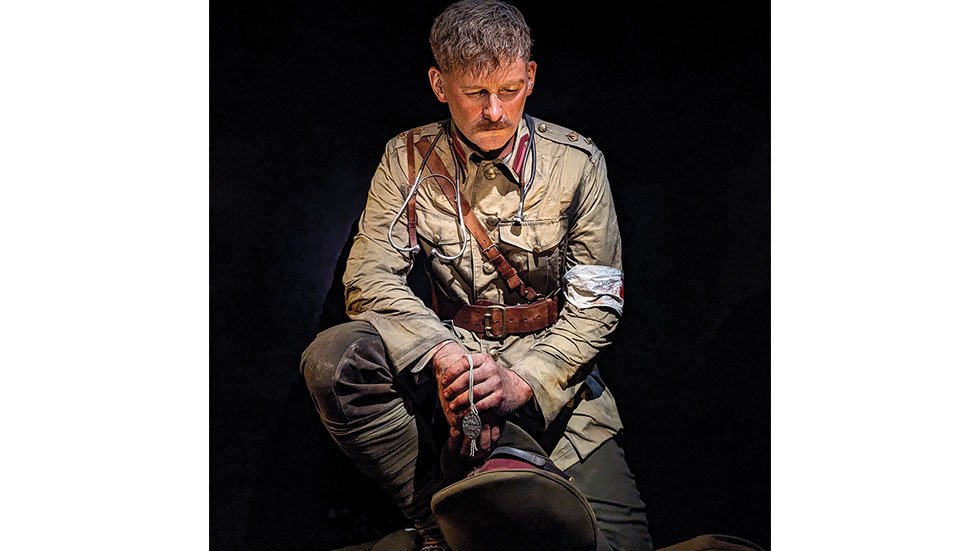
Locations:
(407, 340)
(534, 368)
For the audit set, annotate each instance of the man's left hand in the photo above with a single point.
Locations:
(494, 388)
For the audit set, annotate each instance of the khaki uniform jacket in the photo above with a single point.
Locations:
(569, 219)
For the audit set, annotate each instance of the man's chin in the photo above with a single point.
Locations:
(493, 140)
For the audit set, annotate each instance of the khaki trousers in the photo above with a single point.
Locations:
(393, 429)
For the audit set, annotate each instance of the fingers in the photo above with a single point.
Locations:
(464, 448)
(487, 383)
(481, 392)
(461, 366)
(461, 383)
(488, 436)
(491, 402)
(458, 384)
(455, 368)
(485, 438)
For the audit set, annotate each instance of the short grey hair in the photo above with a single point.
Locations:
(479, 36)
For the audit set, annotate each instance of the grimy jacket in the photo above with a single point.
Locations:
(569, 221)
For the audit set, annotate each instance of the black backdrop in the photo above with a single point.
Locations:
(303, 98)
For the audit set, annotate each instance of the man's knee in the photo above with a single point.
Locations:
(330, 345)
(347, 372)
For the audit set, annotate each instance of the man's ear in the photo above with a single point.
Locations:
(438, 84)
(532, 71)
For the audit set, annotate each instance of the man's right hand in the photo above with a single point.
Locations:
(449, 355)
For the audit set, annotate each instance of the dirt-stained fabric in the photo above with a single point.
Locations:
(569, 220)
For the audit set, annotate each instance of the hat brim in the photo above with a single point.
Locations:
(515, 509)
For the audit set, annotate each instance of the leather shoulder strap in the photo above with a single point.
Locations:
(413, 239)
(490, 249)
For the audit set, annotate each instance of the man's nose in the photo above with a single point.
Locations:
(493, 110)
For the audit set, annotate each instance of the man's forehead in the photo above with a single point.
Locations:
(490, 83)
(514, 72)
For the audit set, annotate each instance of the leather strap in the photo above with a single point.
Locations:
(413, 240)
(495, 320)
(509, 452)
(490, 249)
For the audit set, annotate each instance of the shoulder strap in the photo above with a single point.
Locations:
(490, 249)
(413, 240)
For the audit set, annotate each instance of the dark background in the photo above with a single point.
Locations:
(304, 97)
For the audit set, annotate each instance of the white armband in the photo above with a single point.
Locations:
(591, 286)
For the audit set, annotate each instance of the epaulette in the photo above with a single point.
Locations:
(564, 136)
(426, 131)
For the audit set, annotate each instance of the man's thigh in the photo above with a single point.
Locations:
(348, 374)
(606, 481)
(351, 380)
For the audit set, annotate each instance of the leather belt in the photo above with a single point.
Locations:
(496, 320)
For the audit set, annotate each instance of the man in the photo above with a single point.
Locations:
(514, 221)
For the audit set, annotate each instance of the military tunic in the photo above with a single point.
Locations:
(569, 220)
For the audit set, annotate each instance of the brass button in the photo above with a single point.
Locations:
(487, 268)
(542, 127)
(572, 136)
(537, 249)
(588, 141)
(492, 220)
(435, 238)
(490, 173)
(495, 353)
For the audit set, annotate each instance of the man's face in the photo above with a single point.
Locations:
(486, 109)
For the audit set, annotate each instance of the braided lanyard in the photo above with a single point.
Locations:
(472, 425)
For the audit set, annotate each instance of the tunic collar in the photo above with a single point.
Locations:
(510, 159)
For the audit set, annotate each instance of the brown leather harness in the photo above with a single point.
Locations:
(485, 318)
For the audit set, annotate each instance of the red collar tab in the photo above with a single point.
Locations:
(519, 157)
(457, 147)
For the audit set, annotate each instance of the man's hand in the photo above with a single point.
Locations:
(494, 388)
(450, 356)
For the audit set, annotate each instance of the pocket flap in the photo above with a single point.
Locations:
(437, 227)
(542, 234)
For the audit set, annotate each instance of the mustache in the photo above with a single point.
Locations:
(502, 124)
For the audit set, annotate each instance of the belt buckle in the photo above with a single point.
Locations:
(488, 322)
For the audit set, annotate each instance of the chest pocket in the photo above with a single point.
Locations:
(438, 229)
(535, 249)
